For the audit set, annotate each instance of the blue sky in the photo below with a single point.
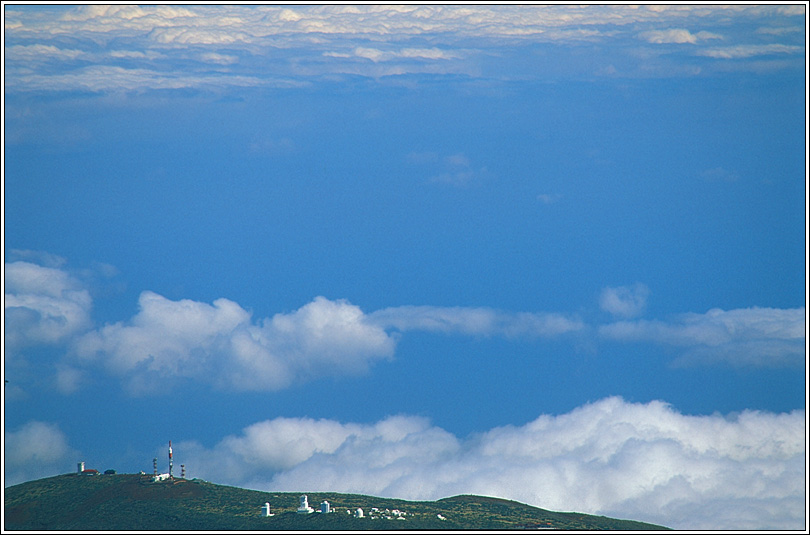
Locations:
(550, 253)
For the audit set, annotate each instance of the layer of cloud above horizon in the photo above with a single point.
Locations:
(134, 48)
(221, 345)
(610, 457)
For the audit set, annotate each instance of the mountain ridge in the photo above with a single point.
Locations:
(126, 502)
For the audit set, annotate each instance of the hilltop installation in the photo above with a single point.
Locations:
(170, 475)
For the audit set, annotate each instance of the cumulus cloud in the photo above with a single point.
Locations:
(749, 336)
(35, 450)
(624, 301)
(43, 305)
(631, 460)
(281, 444)
(220, 344)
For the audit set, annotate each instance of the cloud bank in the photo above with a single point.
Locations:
(611, 457)
(222, 345)
(749, 336)
(133, 48)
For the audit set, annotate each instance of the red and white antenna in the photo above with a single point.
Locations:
(170, 458)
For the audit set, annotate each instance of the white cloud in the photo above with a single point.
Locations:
(43, 305)
(475, 321)
(117, 16)
(219, 59)
(749, 336)
(377, 55)
(197, 36)
(779, 30)
(641, 461)
(41, 258)
(107, 78)
(273, 446)
(68, 379)
(747, 51)
(219, 344)
(28, 53)
(370, 53)
(625, 301)
(36, 450)
(136, 54)
(675, 35)
(704, 35)
(294, 41)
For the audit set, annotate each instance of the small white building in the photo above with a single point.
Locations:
(266, 509)
(81, 467)
(325, 507)
(160, 477)
(358, 513)
(304, 508)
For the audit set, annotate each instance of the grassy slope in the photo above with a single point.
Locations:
(133, 502)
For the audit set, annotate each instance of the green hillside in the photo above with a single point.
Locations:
(134, 502)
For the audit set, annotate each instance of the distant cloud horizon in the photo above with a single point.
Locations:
(373, 41)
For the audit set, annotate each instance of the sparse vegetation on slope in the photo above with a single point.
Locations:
(134, 502)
